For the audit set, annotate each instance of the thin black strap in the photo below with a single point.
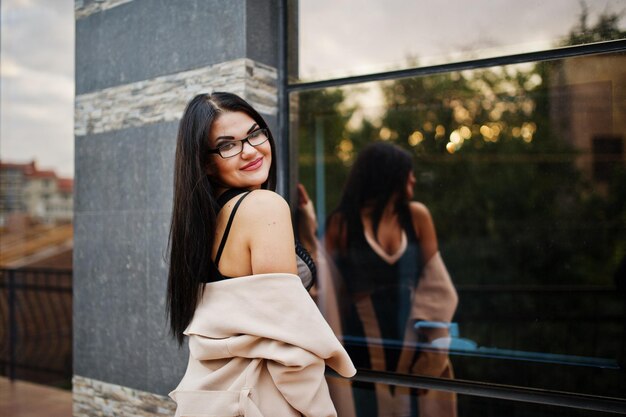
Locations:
(229, 195)
(227, 230)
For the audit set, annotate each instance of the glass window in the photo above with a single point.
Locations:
(354, 37)
(365, 399)
(522, 169)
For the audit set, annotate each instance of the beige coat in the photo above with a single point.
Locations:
(258, 347)
(434, 299)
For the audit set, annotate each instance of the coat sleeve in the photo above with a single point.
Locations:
(304, 387)
(297, 373)
(435, 297)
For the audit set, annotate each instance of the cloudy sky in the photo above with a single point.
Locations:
(361, 36)
(37, 84)
(365, 36)
(337, 38)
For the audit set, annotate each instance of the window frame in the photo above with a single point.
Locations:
(287, 181)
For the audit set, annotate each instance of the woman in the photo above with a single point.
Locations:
(385, 248)
(258, 344)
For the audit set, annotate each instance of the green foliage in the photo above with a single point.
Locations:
(605, 29)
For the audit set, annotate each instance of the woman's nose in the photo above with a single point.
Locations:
(247, 149)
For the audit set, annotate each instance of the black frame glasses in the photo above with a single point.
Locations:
(259, 137)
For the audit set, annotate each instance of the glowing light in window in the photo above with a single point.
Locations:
(465, 132)
(528, 130)
(416, 138)
(345, 149)
(495, 128)
(440, 132)
(486, 132)
(455, 137)
(460, 114)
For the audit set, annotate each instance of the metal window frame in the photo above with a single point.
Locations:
(496, 391)
(545, 55)
(474, 388)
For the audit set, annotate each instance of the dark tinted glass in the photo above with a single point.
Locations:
(365, 399)
(523, 169)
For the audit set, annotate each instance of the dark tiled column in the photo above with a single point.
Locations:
(137, 64)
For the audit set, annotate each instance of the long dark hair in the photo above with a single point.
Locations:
(379, 174)
(194, 212)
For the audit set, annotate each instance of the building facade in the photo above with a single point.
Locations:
(518, 153)
(40, 194)
(12, 186)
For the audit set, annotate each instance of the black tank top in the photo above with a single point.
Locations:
(364, 271)
(306, 267)
(389, 287)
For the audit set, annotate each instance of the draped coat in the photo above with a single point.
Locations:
(258, 346)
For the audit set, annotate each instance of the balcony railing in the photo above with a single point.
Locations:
(36, 332)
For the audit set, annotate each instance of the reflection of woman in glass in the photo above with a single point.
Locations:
(385, 247)
(258, 344)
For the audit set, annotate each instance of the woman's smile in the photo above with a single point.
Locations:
(256, 164)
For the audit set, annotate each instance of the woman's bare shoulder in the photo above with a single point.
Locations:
(269, 233)
(422, 219)
(424, 228)
(264, 204)
(266, 200)
(419, 211)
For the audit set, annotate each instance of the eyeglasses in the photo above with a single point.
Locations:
(235, 147)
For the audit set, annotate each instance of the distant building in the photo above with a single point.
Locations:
(39, 193)
(62, 202)
(583, 108)
(12, 181)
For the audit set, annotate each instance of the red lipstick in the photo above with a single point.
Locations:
(253, 165)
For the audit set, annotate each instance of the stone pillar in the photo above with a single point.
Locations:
(137, 64)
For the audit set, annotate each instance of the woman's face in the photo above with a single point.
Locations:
(250, 168)
(410, 185)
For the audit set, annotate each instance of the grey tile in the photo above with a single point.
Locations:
(111, 171)
(90, 172)
(262, 31)
(141, 39)
(160, 152)
(126, 182)
(86, 335)
(110, 312)
(89, 305)
(123, 290)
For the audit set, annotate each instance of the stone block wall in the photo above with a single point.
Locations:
(138, 62)
(94, 398)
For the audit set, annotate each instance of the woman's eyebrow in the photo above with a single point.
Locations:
(232, 137)
(224, 137)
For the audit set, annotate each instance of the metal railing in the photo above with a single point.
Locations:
(36, 332)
